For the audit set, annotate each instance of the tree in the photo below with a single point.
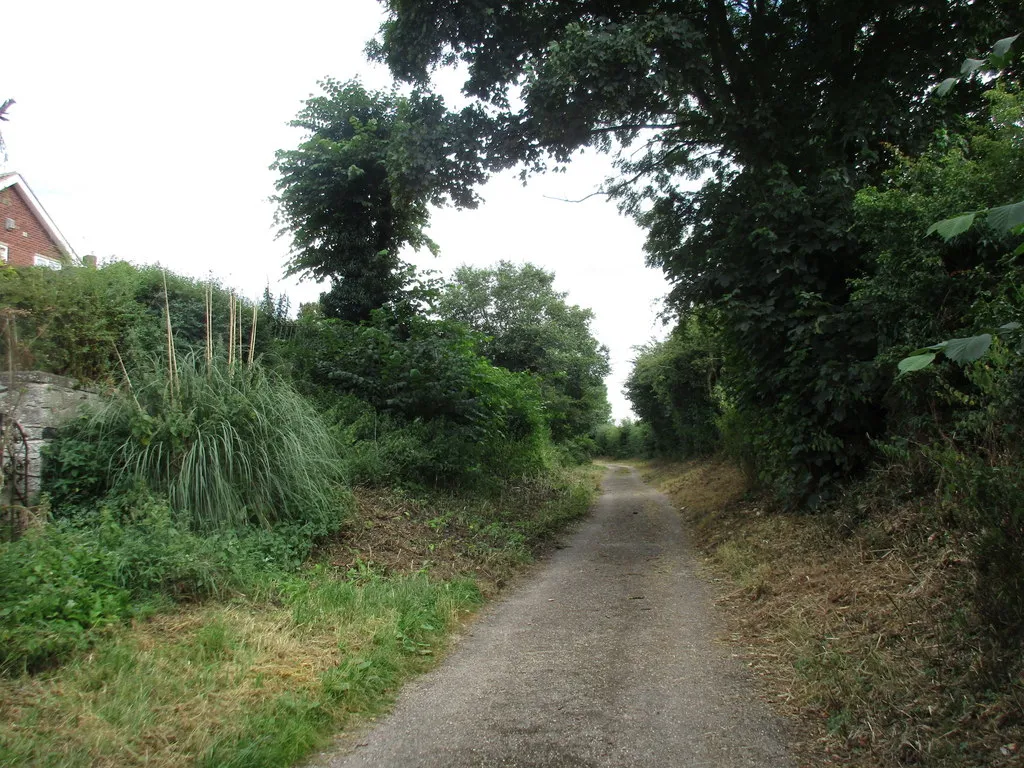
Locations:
(529, 327)
(359, 186)
(780, 108)
(978, 166)
(755, 83)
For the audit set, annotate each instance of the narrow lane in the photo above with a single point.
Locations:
(604, 657)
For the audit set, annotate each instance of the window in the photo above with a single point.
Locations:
(3, 253)
(46, 261)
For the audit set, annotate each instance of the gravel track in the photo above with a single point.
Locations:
(604, 656)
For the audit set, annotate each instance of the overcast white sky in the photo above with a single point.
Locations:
(147, 129)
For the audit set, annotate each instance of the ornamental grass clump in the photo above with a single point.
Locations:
(229, 445)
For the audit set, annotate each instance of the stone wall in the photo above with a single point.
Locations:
(40, 402)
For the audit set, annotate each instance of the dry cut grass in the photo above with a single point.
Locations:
(863, 631)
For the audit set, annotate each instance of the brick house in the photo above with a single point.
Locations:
(28, 236)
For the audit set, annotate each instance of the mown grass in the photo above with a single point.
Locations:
(864, 629)
(242, 684)
(264, 680)
(488, 537)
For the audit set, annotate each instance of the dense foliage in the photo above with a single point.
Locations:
(625, 440)
(529, 328)
(781, 111)
(674, 388)
(957, 426)
(950, 424)
(420, 396)
(78, 321)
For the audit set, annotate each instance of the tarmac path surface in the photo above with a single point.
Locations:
(605, 656)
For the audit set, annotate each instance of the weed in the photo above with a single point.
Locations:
(65, 584)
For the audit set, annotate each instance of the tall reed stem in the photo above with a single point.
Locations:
(209, 325)
(172, 360)
(252, 336)
(231, 329)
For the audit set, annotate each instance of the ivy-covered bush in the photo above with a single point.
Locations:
(674, 387)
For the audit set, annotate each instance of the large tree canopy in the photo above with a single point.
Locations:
(760, 81)
(775, 98)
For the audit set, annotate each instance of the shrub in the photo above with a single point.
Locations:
(437, 412)
(577, 450)
(77, 320)
(672, 388)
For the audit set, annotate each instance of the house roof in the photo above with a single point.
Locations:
(15, 180)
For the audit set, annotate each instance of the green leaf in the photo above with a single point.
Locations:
(971, 65)
(969, 349)
(930, 348)
(946, 86)
(950, 228)
(1006, 217)
(1002, 47)
(915, 362)
(1009, 327)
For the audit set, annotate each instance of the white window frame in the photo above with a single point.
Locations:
(45, 261)
(5, 253)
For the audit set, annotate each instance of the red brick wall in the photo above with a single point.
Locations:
(28, 236)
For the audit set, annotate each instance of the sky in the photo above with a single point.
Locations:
(147, 131)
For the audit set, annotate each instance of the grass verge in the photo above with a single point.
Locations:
(446, 535)
(860, 626)
(263, 681)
